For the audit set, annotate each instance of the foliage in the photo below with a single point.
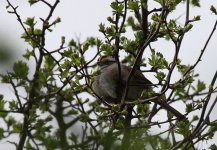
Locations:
(58, 97)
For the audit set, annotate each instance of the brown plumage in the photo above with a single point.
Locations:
(108, 86)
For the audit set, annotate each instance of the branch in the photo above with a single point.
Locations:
(9, 111)
(203, 50)
(155, 10)
(201, 122)
(206, 104)
(48, 4)
(32, 93)
(16, 94)
(187, 12)
(140, 52)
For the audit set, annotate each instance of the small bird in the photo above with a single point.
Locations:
(110, 84)
(109, 87)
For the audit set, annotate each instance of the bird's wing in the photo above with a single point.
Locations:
(137, 77)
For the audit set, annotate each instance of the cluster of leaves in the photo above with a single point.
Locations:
(53, 99)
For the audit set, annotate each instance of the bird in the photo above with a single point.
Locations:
(111, 82)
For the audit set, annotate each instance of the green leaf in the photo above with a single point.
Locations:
(188, 79)
(29, 146)
(180, 90)
(76, 59)
(197, 18)
(86, 46)
(171, 4)
(73, 137)
(5, 78)
(114, 5)
(157, 61)
(129, 46)
(51, 142)
(183, 128)
(21, 69)
(182, 68)
(48, 119)
(101, 27)
(92, 41)
(155, 17)
(160, 76)
(63, 40)
(213, 9)
(195, 118)
(72, 112)
(131, 23)
(28, 54)
(189, 108)
(116, 108)
(117, 7)
(2, 104)
(65, 74)
(13, 105)
(26, 36)
(72, 43)
(188, 27)
(17, 128)
(84, 117)
(213, 147)
(159, 1)
(201, 86)
(212, 129)
(133, 5)
(99, 109)
(3, 114)
(111, 31)
(31, 2)
(30, 21)
(49, 62)
(195, 3)
(142, 109)
(120, 123)
(43, 77)
(37, 32)
(58, 20)
(107, 48)
(11, 121)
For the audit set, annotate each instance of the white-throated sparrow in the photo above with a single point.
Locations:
(109, 87)
(110, 84)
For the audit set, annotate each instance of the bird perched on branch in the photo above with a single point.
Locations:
(110, 84)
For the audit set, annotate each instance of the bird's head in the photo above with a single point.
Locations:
(105, 61)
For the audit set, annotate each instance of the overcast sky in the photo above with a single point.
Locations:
(81, 18)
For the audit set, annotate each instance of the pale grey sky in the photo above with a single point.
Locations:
(81, 18)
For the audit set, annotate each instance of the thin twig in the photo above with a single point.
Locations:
(203, 50)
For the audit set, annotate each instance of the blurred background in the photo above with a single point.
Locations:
(80, 19)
